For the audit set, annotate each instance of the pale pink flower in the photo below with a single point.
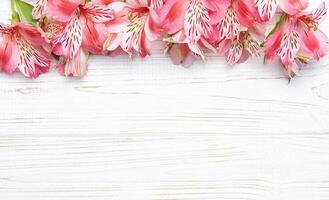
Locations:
(240, 48)
(297, 39)
(183, 51)
(23, 48)
(135, 26)
(73, 67)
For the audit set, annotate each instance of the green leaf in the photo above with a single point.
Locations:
(24, 11)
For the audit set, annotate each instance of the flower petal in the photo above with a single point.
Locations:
(292, 7)
(98, 13)
(71, 38)
(33, 61)
(62, 10)
(289, 48)
(234, 53)
(9, 54)
(267, 8)
(76, 67)
(39, 10)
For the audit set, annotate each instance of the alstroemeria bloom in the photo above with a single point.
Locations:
(267, 8)
(241, 48)
(235, 16)
(183, 51)
(239, 30)
(22, 47)
(189, 23)
(298, 40)
(80, 28)
(135, 26)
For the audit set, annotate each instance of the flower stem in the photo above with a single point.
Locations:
(14, 14)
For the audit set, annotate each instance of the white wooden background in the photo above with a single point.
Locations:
(148, 130)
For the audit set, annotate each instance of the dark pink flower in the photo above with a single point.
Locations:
(297, 38)
(23, 48)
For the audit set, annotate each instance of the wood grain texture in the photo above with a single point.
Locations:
(149, 130)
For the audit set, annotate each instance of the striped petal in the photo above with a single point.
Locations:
(156, 4)
(320, 14)
(290, 46)
(131, 39)
(234, 53)
(4, 28)
(71, 38)
(267, 8)
(252, 46)
(197, 21)
(39, 10)
(32, 62)
(98, 13)
(230, 26)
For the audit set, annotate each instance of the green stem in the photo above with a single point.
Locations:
(14, 14)
(12, 4)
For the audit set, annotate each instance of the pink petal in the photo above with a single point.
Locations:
(189, 59)
(273, 43)
(113, 42)
(30, 33)
(104, 2)
(196, 22)
(173, 14)
(151, 29)
(292, 7)
(289, 48)
(246, 12)
(40, 9)
(94, 36)
(33, 60)
(9, 54)
(98, 13)
(178, 53)
(76, 67)
(315, 42)
(62, 10)
(71, 38)
(234, 53)
(267, 8)
(244, 57)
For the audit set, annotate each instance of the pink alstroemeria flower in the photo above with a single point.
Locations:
(135, 26)
(235, 16)
(189, 26)
(239, 31)
(76, 29)
(241, 48)
(184, 52)
(22, 47)
(297, 39)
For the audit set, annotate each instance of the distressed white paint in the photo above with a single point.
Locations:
(149, 130)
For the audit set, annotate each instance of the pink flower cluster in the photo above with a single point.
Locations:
(68, 31)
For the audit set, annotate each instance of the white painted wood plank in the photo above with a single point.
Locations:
(150, 130)
(177, 167)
